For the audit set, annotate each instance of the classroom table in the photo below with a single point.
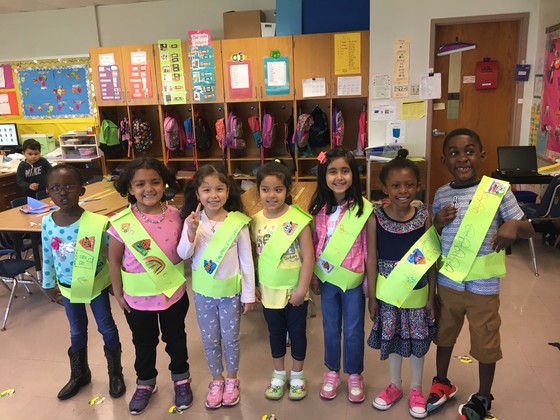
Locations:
(100, 197)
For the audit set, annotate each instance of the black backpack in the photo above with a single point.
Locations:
(319, 135)
(202, 134)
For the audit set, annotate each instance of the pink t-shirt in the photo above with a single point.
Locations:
(166, 235)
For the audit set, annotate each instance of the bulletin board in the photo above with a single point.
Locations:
(549, 133)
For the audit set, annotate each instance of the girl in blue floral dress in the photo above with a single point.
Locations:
(401, 332)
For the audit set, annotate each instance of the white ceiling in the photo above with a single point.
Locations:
(16, 6)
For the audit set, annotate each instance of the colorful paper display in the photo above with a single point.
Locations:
(172, 72)
(203, 72)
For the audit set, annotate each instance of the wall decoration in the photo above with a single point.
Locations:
(8, 103)
(172, 74)
(277, 75)
(203, 73)
(54, 92)
(6, 77)
(109, 82)
(550, 106)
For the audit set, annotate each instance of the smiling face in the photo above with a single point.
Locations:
(401, 186)
(64, 189)
(212, 194)
(462, 156)
(339, 178)
(147, 187)
(272, 193)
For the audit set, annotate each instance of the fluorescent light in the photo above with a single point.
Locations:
(455, 47)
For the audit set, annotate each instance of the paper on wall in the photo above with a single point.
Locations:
(430, 86)
(276, 73)
(349, 85)
(106, 59)
(413, 110)
(239, 76)
(396, 132)
(138, 57)
(381, 86)
(314, 87)
(384, 113)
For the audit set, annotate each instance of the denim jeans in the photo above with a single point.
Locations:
(343, 312)
(78, 319)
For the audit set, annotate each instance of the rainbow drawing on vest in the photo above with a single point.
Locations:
(289, 227)
(416, 257)
(209, 266)
(155, 264)
(87, 242)
(142, 246)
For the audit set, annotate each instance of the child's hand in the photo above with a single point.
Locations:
(34, 186)
(373, 306)
(257, 294)
(431, 308)
(315, 285)
(445, 216)
(505, 236)
(297, 298)
(122, 302)
(193, 219)
(248, 307)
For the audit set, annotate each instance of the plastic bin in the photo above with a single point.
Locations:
(525, 196)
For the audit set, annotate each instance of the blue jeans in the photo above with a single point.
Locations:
(343, 312)
(77, 317)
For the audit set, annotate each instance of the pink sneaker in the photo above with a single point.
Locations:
(356, 392)
(331, 381)
(215, 394)
(417, 404)
(387, 398)
(231, 392)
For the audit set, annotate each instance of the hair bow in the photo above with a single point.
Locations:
(322, 158)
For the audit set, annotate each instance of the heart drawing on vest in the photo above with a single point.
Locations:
(142, 246)
(87, 242)
(416, 257)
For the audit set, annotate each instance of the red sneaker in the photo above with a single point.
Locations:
(440, 392)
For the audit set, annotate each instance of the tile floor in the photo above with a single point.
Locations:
(33, 360)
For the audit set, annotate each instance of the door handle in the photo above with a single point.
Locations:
(436, 132)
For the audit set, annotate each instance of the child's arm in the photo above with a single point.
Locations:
(186, 245)
(509, 231)
(116, 251)
(315, 282)
(245, 255)
(432, 276)
(20, 177)
(444, 217)
(307, 263)
(371, 265)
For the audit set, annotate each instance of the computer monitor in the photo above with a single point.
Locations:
(9, 138)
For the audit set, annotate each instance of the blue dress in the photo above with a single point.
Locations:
(400, 330)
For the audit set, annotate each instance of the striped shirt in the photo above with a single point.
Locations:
(461, 196)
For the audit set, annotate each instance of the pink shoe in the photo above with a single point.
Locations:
(417, 404)
(331, 381)
(387, 398)
(231, 392)
(215, 394)
(356, 392)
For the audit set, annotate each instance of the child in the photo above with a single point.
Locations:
(468, 281)
(31, 173)
(74, 256)
(285, 265)
(223, 273)
(343, 221)
(150, 286)
(404, 314)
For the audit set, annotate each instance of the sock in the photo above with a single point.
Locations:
(277, 381)
(416, 370)
(296, 378)
(395, 365)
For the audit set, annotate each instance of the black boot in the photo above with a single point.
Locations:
(116, 380)
(80, 374)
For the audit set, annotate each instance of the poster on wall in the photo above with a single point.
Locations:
(203, 73)
(550, 106)
(6, 77)
(276, 75)
(55, 92)
(172, 74)
(8, 103)
(109, 82)
(347, 53)
(240, 83)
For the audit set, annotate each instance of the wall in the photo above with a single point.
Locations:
(388, 22)
(549, 15)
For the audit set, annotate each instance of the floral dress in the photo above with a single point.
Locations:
(400, 330)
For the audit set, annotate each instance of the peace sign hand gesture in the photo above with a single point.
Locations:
(192, 221)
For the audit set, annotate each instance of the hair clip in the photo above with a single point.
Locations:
(277, 160)
(322, 158)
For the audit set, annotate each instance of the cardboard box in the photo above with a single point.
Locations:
(246, 24)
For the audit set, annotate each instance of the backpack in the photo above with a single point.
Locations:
(338, 127)
(301, 134)
(173, 132)
(234, 133)
(109, 139)
(124, 136)
(362, 133)
(319, 130)
(255, 126)
(289, 135)
(268, 130)
(221, 134)
(142, 135)
(202, 134)
(189, 135)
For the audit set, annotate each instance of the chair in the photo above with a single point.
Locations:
(26, 244)
(15, 271)
(18, 202)
(41, 194)
(542, 214)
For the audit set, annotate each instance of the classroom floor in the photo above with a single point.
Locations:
(33, 361)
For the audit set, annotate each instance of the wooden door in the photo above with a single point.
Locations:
(236, 53)
(312, 59)
(140, 78)
(364, 68)
(101, 58)
(266, 47)
(488, 112)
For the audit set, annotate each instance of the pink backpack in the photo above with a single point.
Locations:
(301, 135)
(234, 133)
(268, 131)
(362, 132)
(338, 127)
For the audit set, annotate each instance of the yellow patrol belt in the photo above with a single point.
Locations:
(85, 284)
(397, 288)
(293, 222)
(162, 275)
(473, 229)
(329, 264)
(203, 277)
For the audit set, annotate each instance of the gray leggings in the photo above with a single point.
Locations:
(219, 319)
